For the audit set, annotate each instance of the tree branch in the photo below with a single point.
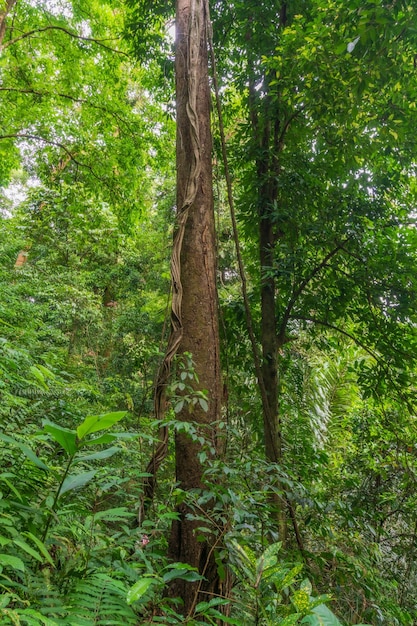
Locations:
(57, 144)
(65, 96)
(287, 125)
(99, 42)
(303, 285)
(314, 320)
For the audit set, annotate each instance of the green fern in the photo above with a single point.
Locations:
(99, 600)
(21, 616)
(319, 393)
(44, 596)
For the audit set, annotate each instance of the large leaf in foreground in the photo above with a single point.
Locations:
(94, 423)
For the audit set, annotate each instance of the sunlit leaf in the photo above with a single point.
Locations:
(64, 436)
(94, 423)
(139, 589)
(36, 373)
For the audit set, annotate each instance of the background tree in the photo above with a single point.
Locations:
(313, 181)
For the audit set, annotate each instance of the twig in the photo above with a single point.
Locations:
(303, 285)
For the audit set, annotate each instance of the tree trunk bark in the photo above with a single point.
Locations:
(199, 311)
(3, 16)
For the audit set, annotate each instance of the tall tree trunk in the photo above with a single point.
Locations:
(268, 133)
(199, 311)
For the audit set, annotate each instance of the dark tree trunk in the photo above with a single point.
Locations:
(270, 341)
(199, 311)
(268, 133)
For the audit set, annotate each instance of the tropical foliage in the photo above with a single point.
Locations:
(316, 252)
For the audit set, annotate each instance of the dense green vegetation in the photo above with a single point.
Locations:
(308, 500)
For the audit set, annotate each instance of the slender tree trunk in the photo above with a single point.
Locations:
(199, 312)
(268, 135)
(270, 346)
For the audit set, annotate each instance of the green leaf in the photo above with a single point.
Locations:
(290, 620)
(41, 619)
(266, 563)
(107, 438)
(76, 482)
(323, 616)
(94, 423)
(301, 600)
(5, 600)
(28, 549)
(64, 436)
(178, 406)
(291, 576)
(12, 561)
(204, 404)
(139, 589)
(41, 546)
(230, 620)
(215, 613)
(182, 575)
(322, 599)
(271, 552)
(117, 514)
(306, 586)
(5, 479)
(28, 452)
(203, 606)
(103, 454)
(46, 373)
(182, 571)
(36, 373)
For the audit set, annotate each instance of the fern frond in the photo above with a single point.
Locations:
(99, 600)
(33, 393)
